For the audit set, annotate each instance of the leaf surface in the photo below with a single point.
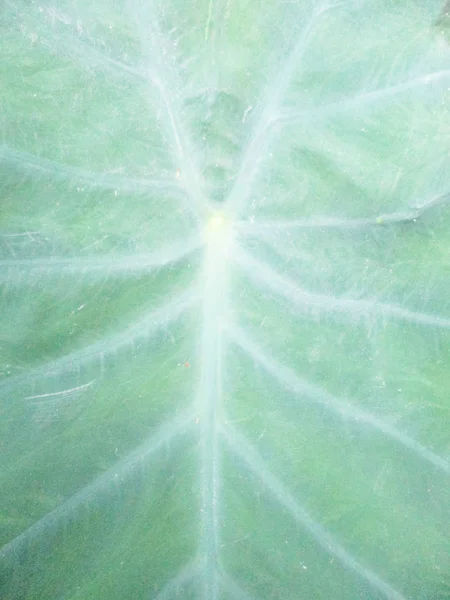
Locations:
(225, 300)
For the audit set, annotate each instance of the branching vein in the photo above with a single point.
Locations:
(115, 474)
(270, 111)
(371, 99)
(109, 345)
(153, 44)
(246, 452)
(306, 390)
(414, 213)
(100, 266)
(41, 167)
(283, 286)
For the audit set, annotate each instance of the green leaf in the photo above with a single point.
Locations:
(225, 300)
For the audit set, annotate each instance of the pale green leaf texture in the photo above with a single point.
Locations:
(224, 300)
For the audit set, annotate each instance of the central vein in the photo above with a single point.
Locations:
(218, 238)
